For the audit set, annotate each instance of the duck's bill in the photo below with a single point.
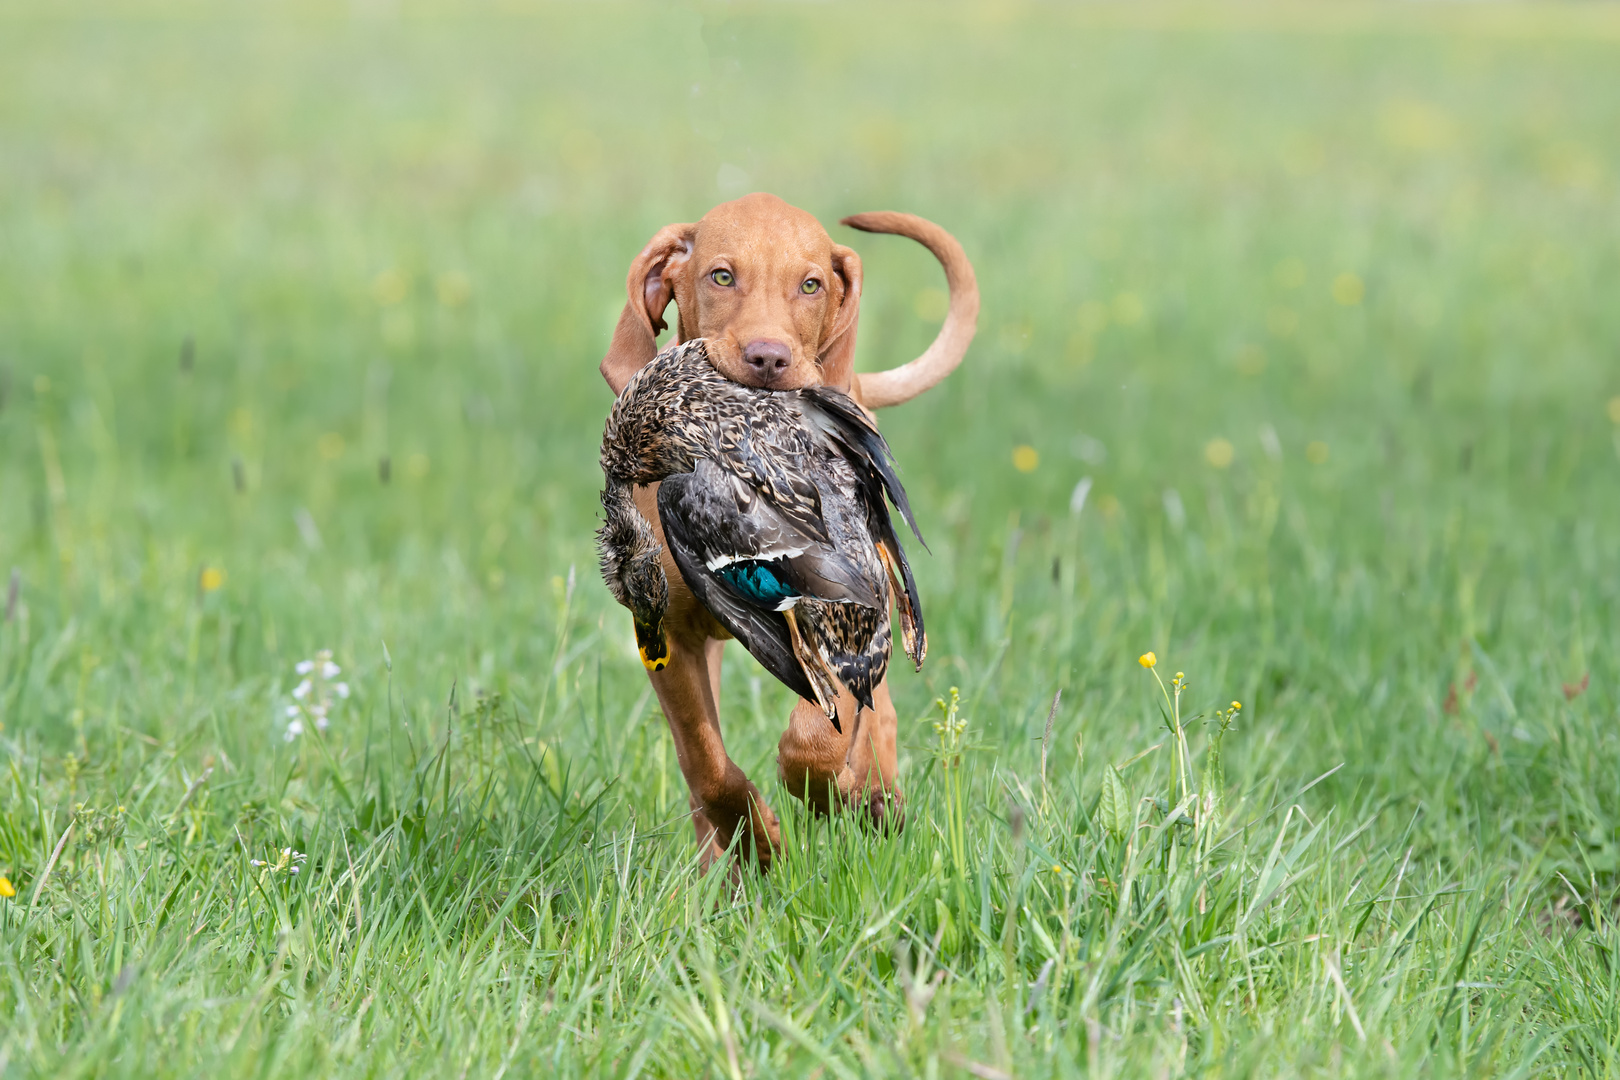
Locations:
(652, 646)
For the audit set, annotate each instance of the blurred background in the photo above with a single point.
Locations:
(1299, 365)
(1298, 360)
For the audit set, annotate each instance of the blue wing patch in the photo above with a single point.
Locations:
(758, 582)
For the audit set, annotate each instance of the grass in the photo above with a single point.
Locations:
(1319, 299)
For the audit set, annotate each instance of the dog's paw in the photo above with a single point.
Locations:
(884, 811)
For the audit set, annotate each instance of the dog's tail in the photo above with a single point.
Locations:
(881, 388)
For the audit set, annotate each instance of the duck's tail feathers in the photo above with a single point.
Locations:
(817, 668)
(849, 642)
(861, 672)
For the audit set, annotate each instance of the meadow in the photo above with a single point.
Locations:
(1295, 369)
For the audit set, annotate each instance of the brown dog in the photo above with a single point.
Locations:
(778, 302)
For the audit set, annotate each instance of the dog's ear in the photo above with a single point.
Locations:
(837, 351)
(650, 286)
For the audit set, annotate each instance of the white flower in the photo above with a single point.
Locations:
(287, 860)
(315, 694)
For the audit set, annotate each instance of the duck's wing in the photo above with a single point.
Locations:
(729, 521)
(837, 416)
(756, 462)
(741, 536)
(691, 508)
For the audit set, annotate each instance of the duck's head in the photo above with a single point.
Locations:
(647, 589)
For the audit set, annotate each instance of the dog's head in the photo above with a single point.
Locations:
(779, 302)
(762, 281)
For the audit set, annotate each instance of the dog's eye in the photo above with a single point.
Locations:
(722, 278)
(810, 286)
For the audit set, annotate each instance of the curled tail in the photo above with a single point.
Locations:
(880, 389)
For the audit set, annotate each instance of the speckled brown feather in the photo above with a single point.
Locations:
(794, 450)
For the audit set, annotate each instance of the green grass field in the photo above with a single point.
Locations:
(1314, 296)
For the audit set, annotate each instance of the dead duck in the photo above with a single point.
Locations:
(773, 505)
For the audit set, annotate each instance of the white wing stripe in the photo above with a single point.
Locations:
(718, 561)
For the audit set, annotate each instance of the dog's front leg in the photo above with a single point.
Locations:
(724, 801)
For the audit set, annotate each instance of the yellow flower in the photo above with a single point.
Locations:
(389, 287)
(1219, 452)
(1056, 868)
(212, 578)
(1317, 452)
(1236, 705)
(1147, 660)
(1026, 458)
(1348, 290)
(453, 289)
(7, 889)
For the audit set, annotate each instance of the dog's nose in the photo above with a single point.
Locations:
(768, 358)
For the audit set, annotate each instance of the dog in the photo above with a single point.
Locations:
(778, 303)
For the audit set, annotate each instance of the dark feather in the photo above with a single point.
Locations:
(911, 608)
(775, 508)
(763, 632)
(845, 421)
(870, 453)
(856, 640)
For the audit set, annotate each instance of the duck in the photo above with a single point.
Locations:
(775, 508)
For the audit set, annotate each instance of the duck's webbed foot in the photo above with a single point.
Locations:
(633, 572)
